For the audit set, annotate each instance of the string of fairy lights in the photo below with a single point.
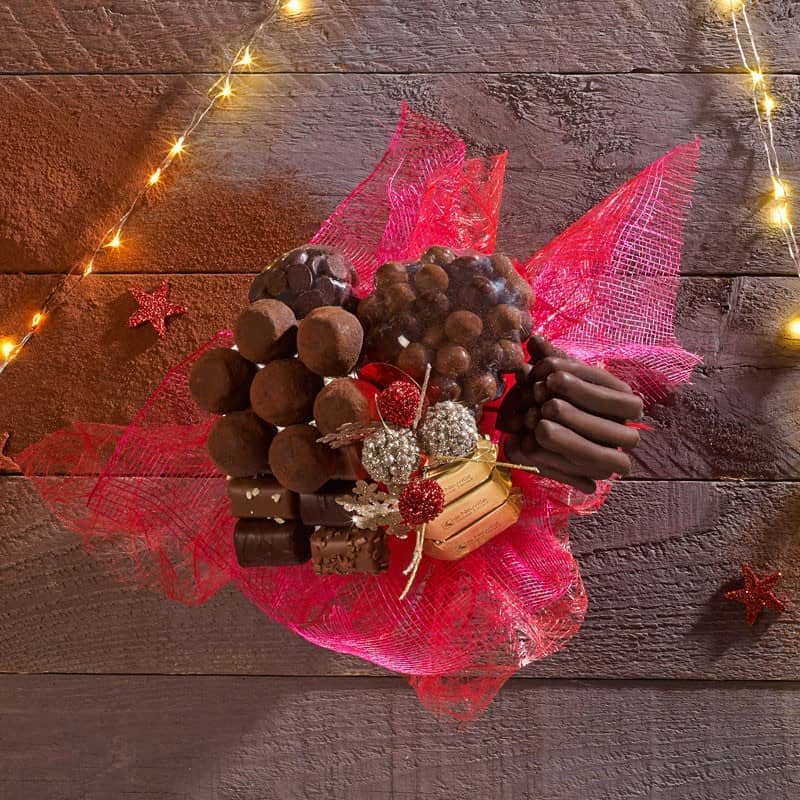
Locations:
(764, 105)
(112, 239)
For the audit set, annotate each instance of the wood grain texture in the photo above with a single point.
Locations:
(208, 738)
(263, 173)
(656, 560)
(724, 425)
(386, 36)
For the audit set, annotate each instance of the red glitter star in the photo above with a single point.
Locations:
(7, 464)
(154, 308)
(756, 594)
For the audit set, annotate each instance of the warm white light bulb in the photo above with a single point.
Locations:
(780, 214)
(177, 147)
(226, 90)
(292, 7)
(793, 328)
(155, 177)
(779, 189)
(246, 59)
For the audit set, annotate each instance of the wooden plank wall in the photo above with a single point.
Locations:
(106, 692)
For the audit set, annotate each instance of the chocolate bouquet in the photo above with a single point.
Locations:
(384, 453)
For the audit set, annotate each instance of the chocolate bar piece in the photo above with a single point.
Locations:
(261, 497)
(342, 551)
(470, 507)
(269, 543)
(321, 508)
(479, 532)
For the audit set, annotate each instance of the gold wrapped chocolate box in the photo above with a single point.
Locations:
(479, 504)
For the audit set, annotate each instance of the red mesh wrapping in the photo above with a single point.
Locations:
(158, 512)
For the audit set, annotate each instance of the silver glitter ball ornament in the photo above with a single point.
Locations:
(449, 431)
(390, 454)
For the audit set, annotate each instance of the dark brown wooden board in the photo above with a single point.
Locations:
(206, 738)
(267, 168)
(655, 561)
(387, 36)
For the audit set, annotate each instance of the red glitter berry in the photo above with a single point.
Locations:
(421, 501)
(398, 403)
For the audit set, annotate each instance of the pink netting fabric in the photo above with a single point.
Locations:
(148, 502)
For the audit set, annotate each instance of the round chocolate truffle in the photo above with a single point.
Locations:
(513, 356)
(299, 461)
(504, 320)
(503, 265)
(389, 273)
(329, 341)
(439, 254)
(398, 296)
(452, 359)
(414, 359)
(343, 400)
(266, 330)
(370, 311)
(449, 389)
(433, 336)
(283, 392)
(480, 388)
(239, 443)
(431, 278)
(463, 327)
(220, 381)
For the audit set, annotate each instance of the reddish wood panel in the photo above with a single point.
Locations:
(381, 36)
(207, 738)
(655, 561)
(263, 172)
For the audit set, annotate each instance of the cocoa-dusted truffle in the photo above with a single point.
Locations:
(479, 388)
(433, 336)
(463, 327)
(266, 330)
(452, 359)
(343, 400)
(513, 356)
(414, 360)
(329, 341)
(439, 255)
(283, 392)
(370, 310)
(431, 278)
(389, 273)
(239, 443)
(449, 389)
(299, 461)
(504, 320)
(398, 297)
(220, 381)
